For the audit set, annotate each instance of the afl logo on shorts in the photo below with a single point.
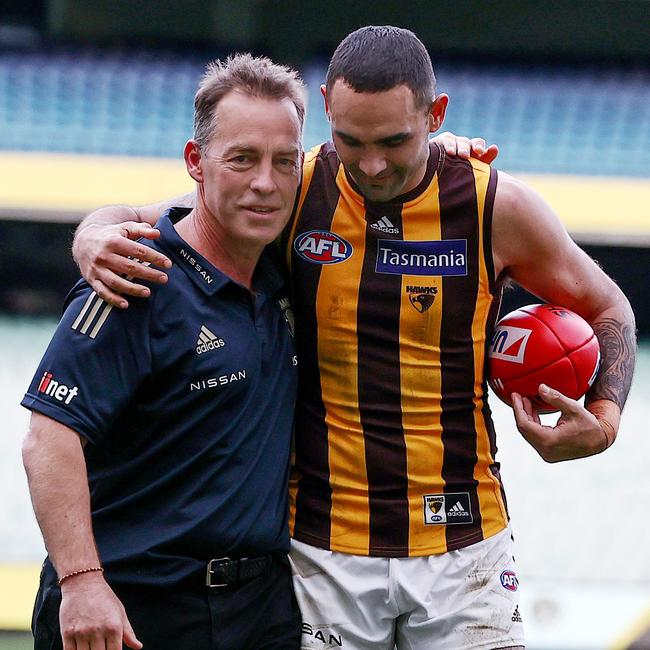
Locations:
(509, 580)
(322, 247)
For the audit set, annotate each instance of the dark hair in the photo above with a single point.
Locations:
(256, 76)
(373, 59)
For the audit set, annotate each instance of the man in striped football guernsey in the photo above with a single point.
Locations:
(398, 254)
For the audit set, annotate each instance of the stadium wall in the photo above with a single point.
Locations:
(288, 29)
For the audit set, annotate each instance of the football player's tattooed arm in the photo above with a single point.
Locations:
(617, 340)
(615, 330)
(531, 246)
(58, 484)
(105, 249)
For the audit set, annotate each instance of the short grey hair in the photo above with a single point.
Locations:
(256, 76)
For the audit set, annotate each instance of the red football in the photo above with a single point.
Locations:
(542, 344)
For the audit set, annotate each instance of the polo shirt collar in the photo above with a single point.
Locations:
(267, 277)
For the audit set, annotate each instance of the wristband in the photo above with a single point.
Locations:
(78, 573)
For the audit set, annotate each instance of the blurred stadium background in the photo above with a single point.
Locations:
(96, 104)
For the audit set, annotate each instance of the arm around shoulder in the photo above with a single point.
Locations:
(105, 248)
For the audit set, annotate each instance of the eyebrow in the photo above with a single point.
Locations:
(246, 148)
(389, 139)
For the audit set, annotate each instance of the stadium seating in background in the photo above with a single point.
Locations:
(589, 120)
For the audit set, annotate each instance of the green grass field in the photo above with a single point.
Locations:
(15, 641)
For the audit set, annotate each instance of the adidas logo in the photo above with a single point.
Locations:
(516, 616)
(456, 510)
(208, 341)
(384, 225)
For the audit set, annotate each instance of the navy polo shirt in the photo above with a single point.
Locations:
(186, 400)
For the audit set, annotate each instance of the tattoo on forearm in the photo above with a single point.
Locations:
(617, 349)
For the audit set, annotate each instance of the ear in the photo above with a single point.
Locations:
(193, 160)
(437, 112)
(323, 92)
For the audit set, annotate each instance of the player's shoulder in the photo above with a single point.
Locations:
(322, 153)
(83, 304)
(515, 198)
(449, 163)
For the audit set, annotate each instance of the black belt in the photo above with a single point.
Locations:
(224, 571)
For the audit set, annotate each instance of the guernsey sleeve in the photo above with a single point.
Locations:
(94, 364)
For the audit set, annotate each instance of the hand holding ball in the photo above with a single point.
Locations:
(542, 344)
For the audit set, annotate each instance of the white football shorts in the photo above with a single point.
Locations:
(460, 600)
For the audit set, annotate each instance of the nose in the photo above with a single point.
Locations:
(372, 163)
(263, 181)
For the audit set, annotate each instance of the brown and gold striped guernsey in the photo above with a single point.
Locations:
(395, 446)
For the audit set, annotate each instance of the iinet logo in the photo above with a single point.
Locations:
(54, 389)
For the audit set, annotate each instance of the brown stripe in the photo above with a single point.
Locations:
(493, 315)
(487, 412)
(380, 394)
(487, 229)
(314, 499)
(457, 192)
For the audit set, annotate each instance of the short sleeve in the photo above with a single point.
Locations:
(94, 364)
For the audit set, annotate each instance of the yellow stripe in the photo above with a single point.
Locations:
(18, 586)
(307, 174)
(492, 508)
(308, 168)
(336, 305)
(591, 204)
(76, 183)
(69, 182)
(421, 381)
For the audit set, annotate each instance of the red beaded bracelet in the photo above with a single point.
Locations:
(77, 573)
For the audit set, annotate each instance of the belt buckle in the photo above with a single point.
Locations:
(210, 572)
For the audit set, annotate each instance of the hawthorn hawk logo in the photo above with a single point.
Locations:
(421, 297)
(422, 301)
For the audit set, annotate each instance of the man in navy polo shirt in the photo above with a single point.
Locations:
(158, 450)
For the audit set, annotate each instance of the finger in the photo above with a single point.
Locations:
(528, 423)
(125, 247)
(114, 639)
(478, 147)
(457, 146)
(122, 286)
(136, 229)
(521, 416)
(97, 641)
(132, 269)
(560, 402)
(489, 155)
(129, 637)
(69, 642)
(107, 295)
(531, 411)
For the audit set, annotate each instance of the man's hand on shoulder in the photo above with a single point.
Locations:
(105, 253)
(457, 145)
(578, 432)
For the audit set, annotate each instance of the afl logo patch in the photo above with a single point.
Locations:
(509, 580)
(322, 247)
